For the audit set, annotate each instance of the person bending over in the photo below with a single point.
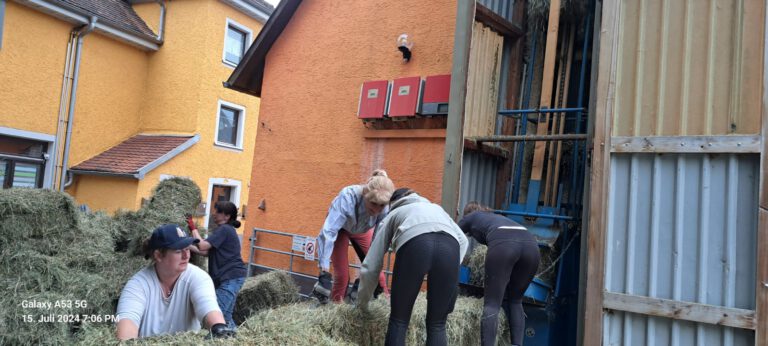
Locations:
(510, 264)
(351, 218)
(426, 242)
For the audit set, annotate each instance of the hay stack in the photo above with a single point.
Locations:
(50, 251)
(49, 254)
(333, 324)
(263, 292)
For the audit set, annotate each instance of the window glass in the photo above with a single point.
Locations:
(26, 175)
(234, 48)
(3, 165)
(228, 123)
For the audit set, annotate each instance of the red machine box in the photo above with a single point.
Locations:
(437, 90)
(404, 98)
(373, 99)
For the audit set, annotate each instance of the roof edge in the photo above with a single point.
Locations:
(256, 11)
(74, 15)
(102, 173)
(249, 73)
(167, 156)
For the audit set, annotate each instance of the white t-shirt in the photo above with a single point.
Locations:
(192, 298)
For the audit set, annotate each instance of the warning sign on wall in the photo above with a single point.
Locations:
(309, 249)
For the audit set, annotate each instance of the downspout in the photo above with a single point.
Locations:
(80, 33)
(161, 26)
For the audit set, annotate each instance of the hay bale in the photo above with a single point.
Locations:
(264, 291)
(54, 256)
(50, 251)
(476, 264)
(332, 324)
(35, 214)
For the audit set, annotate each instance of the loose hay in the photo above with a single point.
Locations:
(51, 252)
(333, 324)
(264, 291)
(476, 264)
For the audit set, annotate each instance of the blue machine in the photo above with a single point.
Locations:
(551, 304)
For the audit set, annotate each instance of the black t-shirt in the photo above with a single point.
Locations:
(481, 224)
(224, 260)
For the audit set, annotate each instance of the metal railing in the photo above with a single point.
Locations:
(294, 254)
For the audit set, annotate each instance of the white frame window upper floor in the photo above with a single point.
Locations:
(231, 45)
(232, 125)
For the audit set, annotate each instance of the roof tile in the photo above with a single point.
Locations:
(131, 155)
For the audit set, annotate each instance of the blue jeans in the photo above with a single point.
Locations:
(226, 295)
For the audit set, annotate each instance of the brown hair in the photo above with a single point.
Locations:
(474, 206)
(379, 187)
(149, 252)
(229, 209)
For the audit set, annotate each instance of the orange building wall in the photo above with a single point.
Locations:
(310, 143)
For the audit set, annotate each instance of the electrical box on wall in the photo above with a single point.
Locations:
(405, 96)
(437, 90)
(373, 99)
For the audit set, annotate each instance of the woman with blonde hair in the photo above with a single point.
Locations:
(353, 214)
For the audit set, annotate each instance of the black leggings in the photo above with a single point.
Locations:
(433, 254)
(510, 265)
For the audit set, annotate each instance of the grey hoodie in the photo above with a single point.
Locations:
(408, 217)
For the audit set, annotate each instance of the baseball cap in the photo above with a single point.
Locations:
(170, 236)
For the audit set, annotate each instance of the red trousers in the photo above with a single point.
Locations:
(340, 261)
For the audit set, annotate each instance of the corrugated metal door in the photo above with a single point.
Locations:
(674, 211)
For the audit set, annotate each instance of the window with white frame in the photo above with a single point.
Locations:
(229, 125)
(236, 41)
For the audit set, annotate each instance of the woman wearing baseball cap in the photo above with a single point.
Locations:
(169, 295)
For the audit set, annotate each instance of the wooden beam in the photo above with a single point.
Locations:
(600, 172)
(694, 312)
(761, 333)
(586, 199)
(454, 138)
(687, 144)
(497, 22)
(423, 133)
(561, 116)
(761, 292)
(550, 53)
(492, 150)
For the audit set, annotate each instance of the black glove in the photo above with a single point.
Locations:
(221, 331)
(322, 288)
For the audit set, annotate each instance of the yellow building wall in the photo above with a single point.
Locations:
(113, 76)
(124, 91)
(108, 194)
(184, 92)
(30, 82)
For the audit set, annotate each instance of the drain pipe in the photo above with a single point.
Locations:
(80, 33)
(161, 26)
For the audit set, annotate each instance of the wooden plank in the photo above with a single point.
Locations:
(546, 87)
(600, 173)
(454, 136)
(493, 150)
(497, 22)
(687, 144)
(761, 292)
(549, 159)
(561, 118)
(422, 133)
(687, 311)
(761, 334)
